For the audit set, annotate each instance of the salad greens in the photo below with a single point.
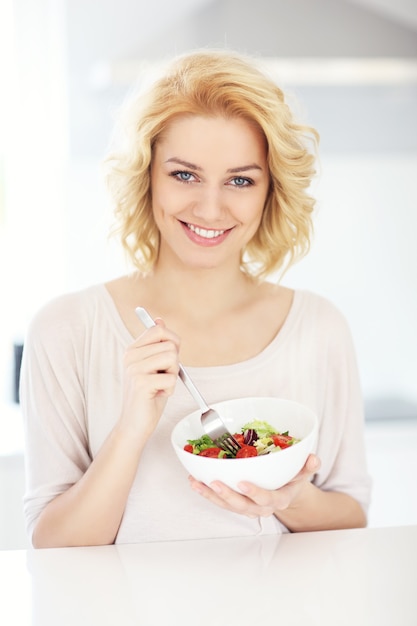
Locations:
(256, 438)
(202, 443)
(263, 429)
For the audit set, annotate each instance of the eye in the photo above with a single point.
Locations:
(183, 176)
(241, 181)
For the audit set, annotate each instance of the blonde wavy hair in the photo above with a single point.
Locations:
(211, 83)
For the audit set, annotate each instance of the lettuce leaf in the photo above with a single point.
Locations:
(202, 443)
(262, 428)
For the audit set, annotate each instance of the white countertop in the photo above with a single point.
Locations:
(333, 578)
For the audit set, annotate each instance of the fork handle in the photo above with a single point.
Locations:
(148, 322)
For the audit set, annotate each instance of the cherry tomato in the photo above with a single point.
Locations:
(246, 451)
(240, 438)
(211, 452)
(188, 448)
(283, 441)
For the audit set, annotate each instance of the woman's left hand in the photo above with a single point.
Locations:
(258, 502)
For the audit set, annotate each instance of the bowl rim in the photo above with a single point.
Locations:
(313, 430)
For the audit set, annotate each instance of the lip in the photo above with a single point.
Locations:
(204, 241)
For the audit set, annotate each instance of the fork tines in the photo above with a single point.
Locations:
(228, 443)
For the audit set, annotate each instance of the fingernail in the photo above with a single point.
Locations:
(216, 487)
(315, 464)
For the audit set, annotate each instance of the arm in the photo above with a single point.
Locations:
(90, 511)
(88, 495)
(317, 508)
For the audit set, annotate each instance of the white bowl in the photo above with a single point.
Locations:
(269, 471)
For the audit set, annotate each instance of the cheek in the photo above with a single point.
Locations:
(167, 201)
(164, 207)
(162, 200)
(251, 211)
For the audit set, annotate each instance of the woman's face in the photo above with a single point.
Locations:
(209, 181)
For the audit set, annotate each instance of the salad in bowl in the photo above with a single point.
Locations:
(255, 439)
(286, 432)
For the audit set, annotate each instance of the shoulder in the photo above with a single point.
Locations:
(318, 308)
(66, 313)
(326, 321)
(322, 317)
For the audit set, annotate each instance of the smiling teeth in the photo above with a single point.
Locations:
(207, 234)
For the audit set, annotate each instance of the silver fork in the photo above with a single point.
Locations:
(211, 421)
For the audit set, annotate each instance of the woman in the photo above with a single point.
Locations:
(210, 184)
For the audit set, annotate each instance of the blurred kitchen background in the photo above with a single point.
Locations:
(349, 68)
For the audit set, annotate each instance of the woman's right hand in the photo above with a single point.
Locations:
(151, 370)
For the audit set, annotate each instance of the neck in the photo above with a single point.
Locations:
(189, 291)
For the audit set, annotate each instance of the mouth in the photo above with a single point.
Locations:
(205, 233)
(205, 237)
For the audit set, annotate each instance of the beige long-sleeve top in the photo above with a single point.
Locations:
(71, 395)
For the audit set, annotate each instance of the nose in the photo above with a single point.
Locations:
(210, 204)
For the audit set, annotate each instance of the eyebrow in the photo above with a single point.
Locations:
(232, 170)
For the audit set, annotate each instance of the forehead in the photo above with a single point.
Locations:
(201, 135)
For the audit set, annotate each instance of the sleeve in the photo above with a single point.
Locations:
(53, 406)
(341, 441)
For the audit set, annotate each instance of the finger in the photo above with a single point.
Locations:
(313, 463)
(262, 496)
(214, 492)
(218, 493)
(155, 334)
(252, 503)
(142, 369)
(153, 358)
(311, 466)
(162, 384)
(280, 498)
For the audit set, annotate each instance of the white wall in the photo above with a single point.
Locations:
(364, 258)
(34, 146)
